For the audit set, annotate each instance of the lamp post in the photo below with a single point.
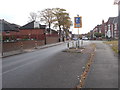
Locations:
(45, 36)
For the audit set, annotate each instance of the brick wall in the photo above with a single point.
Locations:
(50, 40)
(32, 33)
(27, 44)
(12, 46)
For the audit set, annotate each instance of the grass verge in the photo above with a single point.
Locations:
(113, 45)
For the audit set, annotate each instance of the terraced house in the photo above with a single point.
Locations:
(107, 29)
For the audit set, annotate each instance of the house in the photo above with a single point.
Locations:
(110, 31)
(32, 30)
(112, 28)
(10, 31)
(107, 29)
(116, 33)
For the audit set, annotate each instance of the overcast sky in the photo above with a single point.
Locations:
(92, 11)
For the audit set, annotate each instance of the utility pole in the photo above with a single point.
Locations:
(119, 27)
(118, 2)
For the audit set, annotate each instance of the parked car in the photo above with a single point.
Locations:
(85, 38)
(75, 39)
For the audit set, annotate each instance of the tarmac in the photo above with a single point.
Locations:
(104, 70)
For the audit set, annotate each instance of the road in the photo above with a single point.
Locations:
(52, 68)
(45, 68)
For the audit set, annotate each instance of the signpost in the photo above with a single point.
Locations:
(78, 24)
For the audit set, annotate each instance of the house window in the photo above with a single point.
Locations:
(109, 27)
(115, 26)
(7, 31)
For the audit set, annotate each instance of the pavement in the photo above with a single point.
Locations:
(104, 70)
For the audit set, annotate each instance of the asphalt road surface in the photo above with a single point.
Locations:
(45, 68)
(53, 68)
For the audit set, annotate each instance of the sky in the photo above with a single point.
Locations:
(92, 11)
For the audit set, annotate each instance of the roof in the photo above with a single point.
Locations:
(115, 20)
(110, 20)
(30, 25)
(33, 25)
(6, 26)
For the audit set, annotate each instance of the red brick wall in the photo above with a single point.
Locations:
(50, 40)
(31, 33)
(12, 46)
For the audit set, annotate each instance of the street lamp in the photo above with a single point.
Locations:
(45, 35)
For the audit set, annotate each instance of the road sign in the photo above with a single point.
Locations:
(77, 22)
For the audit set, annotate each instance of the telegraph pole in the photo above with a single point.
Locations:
(119, 27)
(118, 2)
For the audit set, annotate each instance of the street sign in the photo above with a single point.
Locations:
(77, 22)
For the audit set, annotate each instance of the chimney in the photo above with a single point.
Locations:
(102, 21)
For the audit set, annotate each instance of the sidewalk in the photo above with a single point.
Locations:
(6, 54)
(104, 70)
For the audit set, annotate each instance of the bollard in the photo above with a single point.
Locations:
(73, 44)
(68, 44)
(81, 42)
(21, 46)
(35, 44)
(76, 45)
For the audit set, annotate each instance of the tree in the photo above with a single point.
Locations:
(66, 25)
(33, 16)
(47, 17)
(99, 34)
(62, 19)
(88, 35)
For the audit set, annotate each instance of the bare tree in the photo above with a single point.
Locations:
(47, 17)
(33, 16)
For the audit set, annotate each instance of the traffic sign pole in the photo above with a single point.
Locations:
(78, 24)
(78, 39)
